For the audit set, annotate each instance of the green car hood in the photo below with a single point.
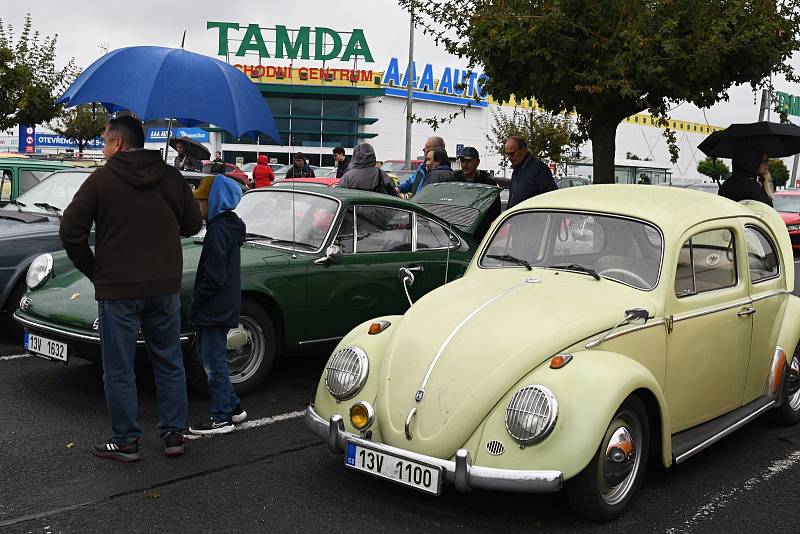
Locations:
(465, 206)
(488, 330)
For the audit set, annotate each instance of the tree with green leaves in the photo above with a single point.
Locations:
(30, 82)
(80, 124)
(713, 168)
(779, 172)
(608, 60)
(549, 137)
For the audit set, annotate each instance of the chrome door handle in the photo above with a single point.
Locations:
(747, 311)
(416, 268)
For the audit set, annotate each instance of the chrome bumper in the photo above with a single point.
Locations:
(460, 472)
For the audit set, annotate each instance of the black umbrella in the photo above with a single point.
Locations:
(777, 140)
(193, 148)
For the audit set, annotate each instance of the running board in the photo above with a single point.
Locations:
(689, 442)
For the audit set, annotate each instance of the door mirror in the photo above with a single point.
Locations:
(637, 316)
(333, 255)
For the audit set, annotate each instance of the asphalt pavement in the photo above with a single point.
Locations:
(273, 475)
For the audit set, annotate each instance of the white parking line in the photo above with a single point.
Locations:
(721, 500)
(254, 424)
(14, 356)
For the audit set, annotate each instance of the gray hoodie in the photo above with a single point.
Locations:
(362, 173)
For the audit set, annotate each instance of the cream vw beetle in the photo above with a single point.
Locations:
(596, 328)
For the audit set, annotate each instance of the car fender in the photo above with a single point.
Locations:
(18, 273)
(789, 329)
(376, 346)
(588, 390)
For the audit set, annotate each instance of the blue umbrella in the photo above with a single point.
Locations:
(155, 83)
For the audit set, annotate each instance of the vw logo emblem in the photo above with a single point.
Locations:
(420, 395)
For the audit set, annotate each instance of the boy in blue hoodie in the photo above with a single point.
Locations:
(216, 303)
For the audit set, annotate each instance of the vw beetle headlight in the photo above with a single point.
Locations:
(531, 414)
(39, 271)
(346, 372)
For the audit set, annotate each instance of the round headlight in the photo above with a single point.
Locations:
(531, 414)
(39, 271)
(346, 372)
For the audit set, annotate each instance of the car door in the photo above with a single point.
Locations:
(434, 247)
(709, 325)
(376, 242)
(769, 296)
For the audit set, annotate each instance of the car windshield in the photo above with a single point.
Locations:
(787, 203)
(287, 219)
(624, 250)
(56, 190)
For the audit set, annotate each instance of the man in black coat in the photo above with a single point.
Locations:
(531, 177)
(341, 161)
(301, 168)
(469, 172)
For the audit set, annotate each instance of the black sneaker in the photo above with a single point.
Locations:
(239, 415)
(211, 426)
(173, 444)
(122, 452)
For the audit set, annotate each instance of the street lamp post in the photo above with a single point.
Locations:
(409, 89)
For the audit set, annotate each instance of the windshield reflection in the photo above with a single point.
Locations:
(56, 190)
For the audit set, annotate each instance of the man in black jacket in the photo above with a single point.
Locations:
(140, 207)
(300, 169)
(469, 172)
(217, 302)
(531, 177)
(341, 161)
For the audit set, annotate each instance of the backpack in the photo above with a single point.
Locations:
(383, 184)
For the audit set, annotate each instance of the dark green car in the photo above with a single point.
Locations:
(317, 262)
(19, 173)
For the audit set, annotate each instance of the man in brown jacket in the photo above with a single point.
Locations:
(140, 207)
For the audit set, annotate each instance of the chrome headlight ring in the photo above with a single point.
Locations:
(531, 414)
(40, 270)
(346, 372)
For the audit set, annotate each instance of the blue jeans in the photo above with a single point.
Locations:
(159, 320)
(212, 347)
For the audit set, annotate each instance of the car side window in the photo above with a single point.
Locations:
(5, 189)
(707, 262)
(29, 178)
(431, 235)
(762, 257)
(382, 229)
(344, 238)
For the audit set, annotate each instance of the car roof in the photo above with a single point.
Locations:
(31, 162)
(670, 208)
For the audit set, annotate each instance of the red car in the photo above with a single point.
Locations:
(231, 171)
(787, 203)
(323, 181)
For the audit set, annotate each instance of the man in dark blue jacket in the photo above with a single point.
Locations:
(531, 177)
(217, 302)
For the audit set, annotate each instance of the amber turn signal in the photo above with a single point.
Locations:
(361, 415)
(560, 360)
(377, 327)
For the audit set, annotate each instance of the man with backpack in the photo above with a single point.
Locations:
(363, 173)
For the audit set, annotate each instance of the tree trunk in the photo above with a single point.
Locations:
(604, 142)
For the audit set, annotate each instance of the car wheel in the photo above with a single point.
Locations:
(14, 328)
(606, 486)
(789, 411)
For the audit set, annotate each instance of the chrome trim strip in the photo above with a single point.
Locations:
(712, 310)
(185, 337)
(769, 295)
(323, 340)
(721, 434)
(421, 391)
(459, 473)
(649, 324)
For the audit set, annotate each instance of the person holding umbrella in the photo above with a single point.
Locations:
(185, 161)
(750, 178)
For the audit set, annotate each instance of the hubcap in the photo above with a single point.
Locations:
(794, 373)
(247, 353)
(620, 465)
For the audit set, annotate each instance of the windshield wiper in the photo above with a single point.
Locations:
(18, 204)
(510, 259)
(290, 242)
(48, 207)
(248, 237)
(576, 268)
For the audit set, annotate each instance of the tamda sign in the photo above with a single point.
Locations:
(322, 44)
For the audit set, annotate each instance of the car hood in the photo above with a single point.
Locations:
(28, 224)
(488, 331)
(790, 217)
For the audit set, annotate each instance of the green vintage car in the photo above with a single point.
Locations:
(596, 328)
(316, 263)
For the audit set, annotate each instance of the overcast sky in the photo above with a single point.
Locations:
(84, 27)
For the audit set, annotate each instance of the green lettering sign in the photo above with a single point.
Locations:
(357, 46)
(253, 41)
(284, 47)
(223, 34)
(320, 41)
(788, 104)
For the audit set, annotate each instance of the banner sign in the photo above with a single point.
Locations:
(788, 104)
(27, 141)
(44, 140)
(160, 134)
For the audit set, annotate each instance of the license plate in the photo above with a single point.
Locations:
(407, 472)
(46, 348)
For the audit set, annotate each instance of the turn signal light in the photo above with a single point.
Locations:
(378, 326)
(560, 360)
(361, 415)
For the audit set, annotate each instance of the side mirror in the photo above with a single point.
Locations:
(333, 255)
(637, 316)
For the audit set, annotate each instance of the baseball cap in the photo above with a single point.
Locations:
(468, 152)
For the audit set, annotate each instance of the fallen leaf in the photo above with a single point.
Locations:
(152, 495)
(70, 445)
